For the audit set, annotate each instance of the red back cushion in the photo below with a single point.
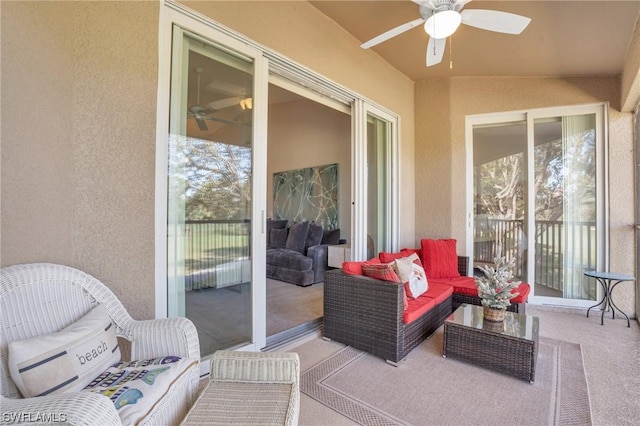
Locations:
(440, 258)
(390, 257)
(408, 251)
(352, 268)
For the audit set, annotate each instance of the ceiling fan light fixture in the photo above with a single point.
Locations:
(443, 24)
(246, 103)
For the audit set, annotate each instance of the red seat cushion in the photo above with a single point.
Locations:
(460, 285)
(467, 286)
(440, 258)
(417, 307)
(523, 289)
(439, 292)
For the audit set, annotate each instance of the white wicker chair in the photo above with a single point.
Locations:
(41, 298)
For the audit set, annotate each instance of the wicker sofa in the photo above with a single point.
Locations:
(367, 313)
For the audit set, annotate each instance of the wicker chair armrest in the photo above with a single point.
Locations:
(282, 367)
(163, 337)
(75, 408)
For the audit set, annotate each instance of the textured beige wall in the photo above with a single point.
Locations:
(297, 30)
(305, 134)
(630, 86)
(440, 151)
(78, 140)
(36, 219)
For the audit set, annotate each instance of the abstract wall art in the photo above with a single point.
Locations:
(307, 194)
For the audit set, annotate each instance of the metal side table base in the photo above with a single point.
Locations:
(605, 279)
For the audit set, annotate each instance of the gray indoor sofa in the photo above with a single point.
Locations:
(298, 254)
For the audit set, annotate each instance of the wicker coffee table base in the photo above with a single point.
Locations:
(494, 351)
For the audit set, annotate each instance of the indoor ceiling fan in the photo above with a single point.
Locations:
(441, 18)
(201, 113)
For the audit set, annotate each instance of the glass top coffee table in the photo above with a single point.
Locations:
(509, 347)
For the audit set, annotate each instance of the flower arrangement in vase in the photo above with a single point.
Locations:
(494, 288)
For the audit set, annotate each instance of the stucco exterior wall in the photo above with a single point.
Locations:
(79, 84)
(441, 154)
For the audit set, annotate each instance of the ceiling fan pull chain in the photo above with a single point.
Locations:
(450, 52)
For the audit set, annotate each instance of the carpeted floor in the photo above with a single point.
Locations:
(611, 369)
(427, 386)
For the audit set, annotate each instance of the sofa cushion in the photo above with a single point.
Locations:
(417, 307)
(440, 258)
(67, 360)
(290, 259)
(278, 238)
(523, 293)
(331, 237)
(408, 251)
(297, 237)
(412, 275)
(275, 224)
(386, 257)
(381, 271)
(314, 235)
(460, 285)
(355, 268)
(439, 292)
(136, 387)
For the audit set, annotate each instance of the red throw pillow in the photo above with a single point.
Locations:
(382, 271)
(355, 268)
(390, 257)
(440, 258)
(352, 268)
(408, 251)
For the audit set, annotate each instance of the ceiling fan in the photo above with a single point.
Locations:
(441, 18)
(201, 113)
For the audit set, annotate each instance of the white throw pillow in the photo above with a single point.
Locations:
(67, 360)
(412, 275)
(403, 267)
(136, 387)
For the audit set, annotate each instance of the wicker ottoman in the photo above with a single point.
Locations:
(509, 347)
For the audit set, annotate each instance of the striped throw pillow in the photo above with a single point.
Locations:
(67, 360)
(382, 271)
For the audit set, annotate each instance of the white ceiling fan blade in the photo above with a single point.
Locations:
(392, 33)
(435, 50)
(432, 4)
(494, 20)
(224, 103)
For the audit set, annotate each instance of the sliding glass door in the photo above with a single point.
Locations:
(210, 192)
(538, 198)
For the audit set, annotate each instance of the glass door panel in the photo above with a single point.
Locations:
(541, 175)
(378, 181)
(500, 188)
(210, 193)
(565, 210)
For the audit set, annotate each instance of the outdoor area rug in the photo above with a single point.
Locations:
(428, 389)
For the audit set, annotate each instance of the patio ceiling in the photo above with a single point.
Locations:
(564, 38)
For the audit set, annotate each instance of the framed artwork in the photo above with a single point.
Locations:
(307, 194)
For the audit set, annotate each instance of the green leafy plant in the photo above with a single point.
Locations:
(494, 288)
